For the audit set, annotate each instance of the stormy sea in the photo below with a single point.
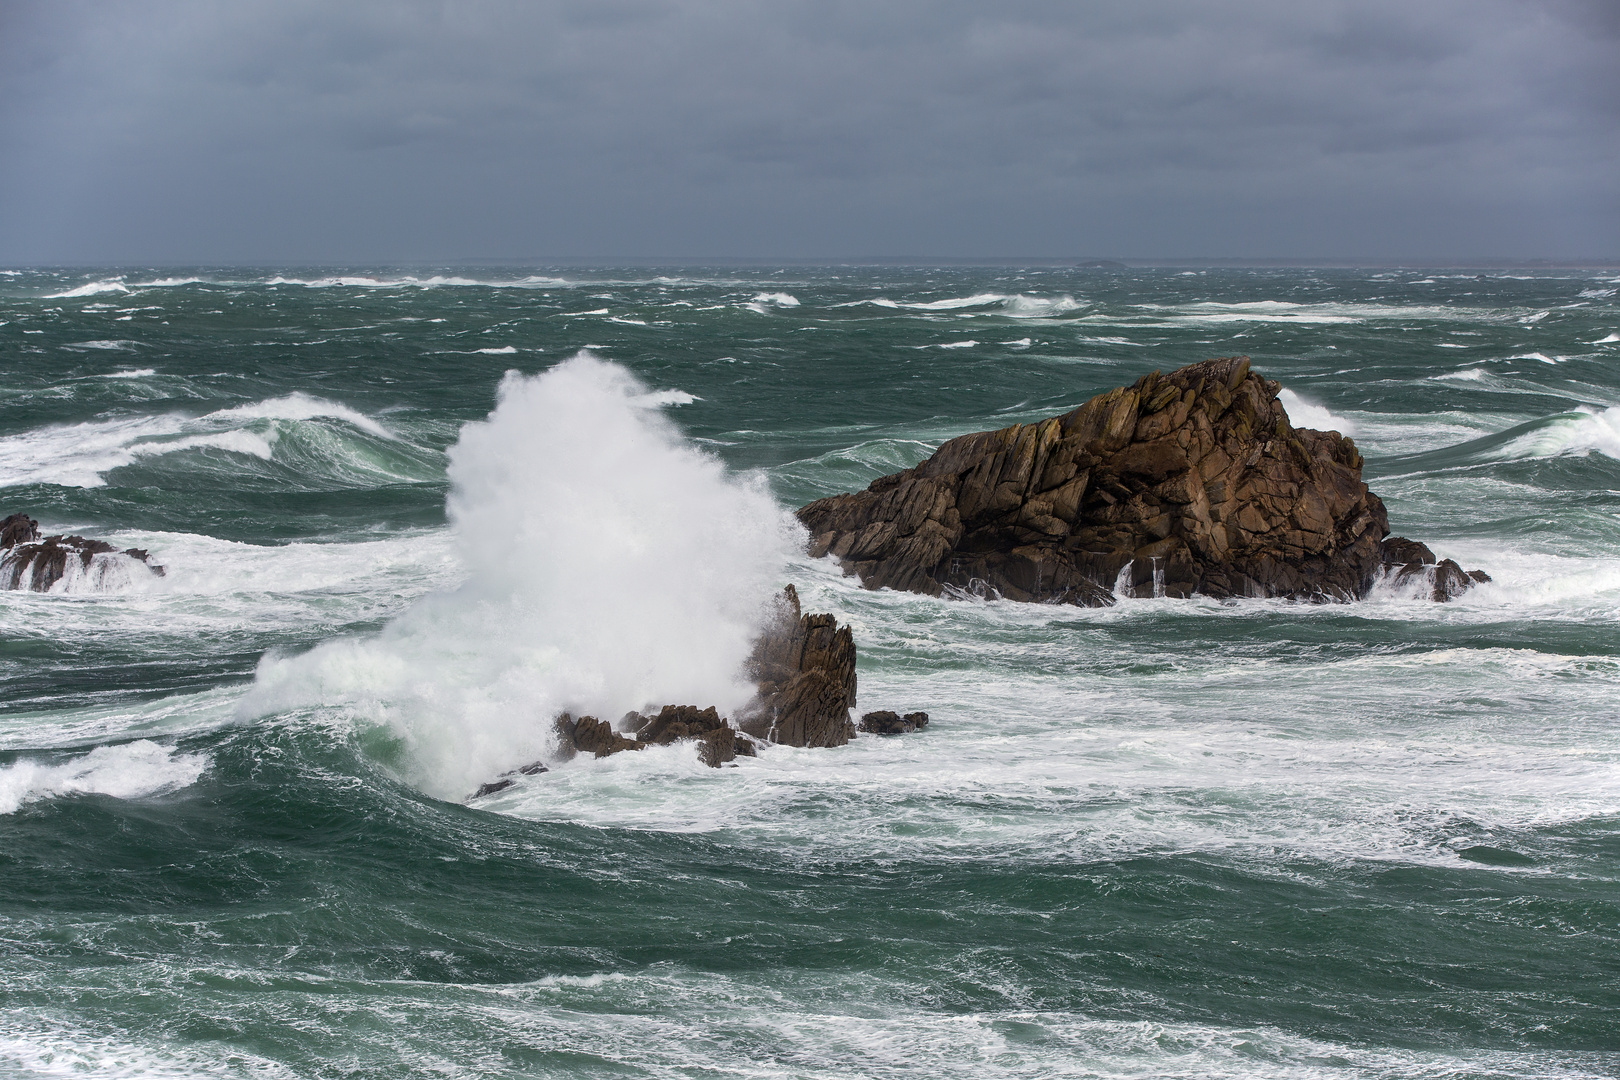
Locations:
(406, 516)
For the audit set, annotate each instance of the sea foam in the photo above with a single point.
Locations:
(130, 771)
(611, 566)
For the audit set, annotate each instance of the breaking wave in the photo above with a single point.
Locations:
(612, 566)
(128, 771)
(80, 455)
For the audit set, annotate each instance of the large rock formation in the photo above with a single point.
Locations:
(35, 564)
(805, 667)
(1191, 482)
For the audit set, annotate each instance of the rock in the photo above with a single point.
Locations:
(35, 564)
(532, 769)
(718, 742)
(588, 735)
(891, 723)
(805, 668)
(1404, 560)
(1191, 482)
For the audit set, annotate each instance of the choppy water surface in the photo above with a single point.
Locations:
(1168, 838)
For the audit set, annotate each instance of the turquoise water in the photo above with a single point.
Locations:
(1179, 838)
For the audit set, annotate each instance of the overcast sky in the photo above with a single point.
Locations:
(356, 132)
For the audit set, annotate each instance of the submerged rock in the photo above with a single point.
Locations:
(805, 669)
(508, 780)
(28, 562)
(1405, 561)
(1191, 482)
(884, 722)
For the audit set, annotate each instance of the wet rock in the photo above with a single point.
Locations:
(507, 779)
(31, 563)
(1191, 482)
(588, 735)
(718, 742)
(805, 668)
(1407, 560)
(884, 722)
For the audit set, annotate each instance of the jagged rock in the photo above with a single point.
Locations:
(35, 564)
(718, 742)
(1404, 560)
(491, 788)
(805, 668)
(884, 722)
(1191, 482)
(588, 735)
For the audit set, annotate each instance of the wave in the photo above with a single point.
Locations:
(80, 455)
(408, 281)
(1012, 305)
(119, 345)
(611, 566)
(1611, 339)
(1303, 414)
(128, 771)
(120, 285)
(1578, 433)
(765, 301)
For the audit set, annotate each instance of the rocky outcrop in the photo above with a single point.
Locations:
(718, 742)
(884, 722)
(31, 563)
(805, 668)
(1191, 482)
(588, 735)
(1407, 562)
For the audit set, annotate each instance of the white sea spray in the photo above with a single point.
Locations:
(611, 566)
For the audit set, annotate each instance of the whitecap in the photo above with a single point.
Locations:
(128, 771)
(763, 302)
(79, 455)
(94, 288)
(109, 345)
(1611, 339)
(504, 350)
(1576, 433)
(133, 373)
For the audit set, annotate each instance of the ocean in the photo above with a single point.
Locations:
(407, 515)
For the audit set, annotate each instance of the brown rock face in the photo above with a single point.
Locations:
(717, 741)
(1189, 482)
(805, 666)
(28, 562)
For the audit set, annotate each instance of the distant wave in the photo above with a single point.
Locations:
(765, 301)
(80, 455)
(330, 281)
(1011, 305)
(1579, 433)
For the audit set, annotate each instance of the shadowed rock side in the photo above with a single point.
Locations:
(805, 667)
(1191, 482)
(30, 563)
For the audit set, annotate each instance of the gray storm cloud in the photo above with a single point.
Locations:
(296, 131)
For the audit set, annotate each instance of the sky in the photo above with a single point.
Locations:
(305, 131)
